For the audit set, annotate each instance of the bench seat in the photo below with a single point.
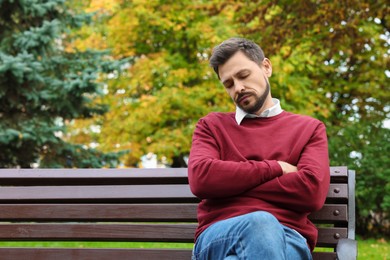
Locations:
(134, 205)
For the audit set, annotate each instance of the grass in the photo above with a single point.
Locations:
(375, 249)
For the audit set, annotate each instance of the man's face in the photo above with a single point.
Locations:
(246, 82)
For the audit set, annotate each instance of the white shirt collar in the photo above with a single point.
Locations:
(276, 109)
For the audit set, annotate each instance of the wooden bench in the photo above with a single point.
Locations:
(143, 205)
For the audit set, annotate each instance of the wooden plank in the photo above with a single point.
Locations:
(98, 232)
(330, 213)
(95, 192)
(324, 256)
(126, 232)
(328, 237)
(114, 253)
(99, 212)
(93, 176)
(339, 174)
(96, 253)
(338, 191)
(114, 173)
(98, 173)
(111, 176)
(338, 171)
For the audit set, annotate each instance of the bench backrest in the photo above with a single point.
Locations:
(140, 205)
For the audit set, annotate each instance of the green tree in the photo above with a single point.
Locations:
(157, 101)
(366, 148)
(44, 86)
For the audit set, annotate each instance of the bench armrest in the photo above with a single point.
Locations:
(346, 249)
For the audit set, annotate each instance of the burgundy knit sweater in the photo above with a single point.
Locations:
(233, 169)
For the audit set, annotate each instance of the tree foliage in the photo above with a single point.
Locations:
(156, 103)
(43, 86)
(330, 60)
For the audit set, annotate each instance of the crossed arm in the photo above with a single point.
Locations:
(211, 178)
(303, 186)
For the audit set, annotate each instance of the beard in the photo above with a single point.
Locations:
(259, 102)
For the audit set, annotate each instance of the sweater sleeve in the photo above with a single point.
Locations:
(306, 189)
(211, 178)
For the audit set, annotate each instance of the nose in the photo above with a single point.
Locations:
(238, 86)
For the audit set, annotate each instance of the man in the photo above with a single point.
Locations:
(259, 171)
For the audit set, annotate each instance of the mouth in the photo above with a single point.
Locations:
(242, 98)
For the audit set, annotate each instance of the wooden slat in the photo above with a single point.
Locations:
(95, 192)
(126, 232)
(338, 171)
(339, 174)
(330, 213)
(98, 232)
(338, 191)
(131, 173)
(95, 254)
(104, 254)
(93, 176)
(328, 237)
(133, 212)
(99, 212)
(115, 173)
(111, 176)
(324, 256)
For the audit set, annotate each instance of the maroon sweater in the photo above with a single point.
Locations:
(233, 169)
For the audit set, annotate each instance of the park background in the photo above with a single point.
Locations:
(104, 83)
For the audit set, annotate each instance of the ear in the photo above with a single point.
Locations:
(267, 67)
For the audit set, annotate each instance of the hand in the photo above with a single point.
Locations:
(287, 168)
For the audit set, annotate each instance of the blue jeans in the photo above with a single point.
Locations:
(257, 235)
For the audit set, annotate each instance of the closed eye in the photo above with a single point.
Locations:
(228, 84)
(243, 75)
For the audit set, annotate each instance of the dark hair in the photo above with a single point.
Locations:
(224, 51)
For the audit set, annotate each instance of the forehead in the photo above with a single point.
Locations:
(235, 64)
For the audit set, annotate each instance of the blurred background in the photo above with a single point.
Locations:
(115, 83)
